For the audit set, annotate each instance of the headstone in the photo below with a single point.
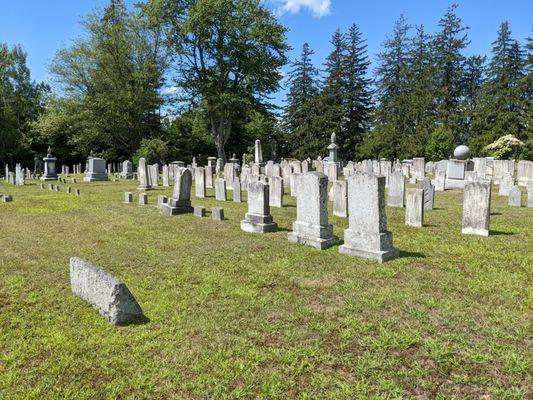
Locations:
(480, 166)
(69, 190)
(311, 226)
(127, 170)
(414, 211)
(396, 189)
(49, 167)
(340, 198)
(429, 193)
(208, 177)
(515, 197)
(107, 294)
(144, 184)
(143, 199)
(96, 170)
(199, 182)
(529, 189)
(128, 197)
(294, 177)
(161, 199)
(367, 235)
(78, 192)
(506, 183)
(476, 208)
(258, 218)
(525, 172)
(258, 159)
(276, 191)
(418, 170)
(220, 189)
(180, 202)
(199, 211)
(237, 192)
(166, 176)
(217, 214)
(440, 181)
(154, 175)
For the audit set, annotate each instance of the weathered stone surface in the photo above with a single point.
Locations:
(461, 152)
(414, 211)
(107, 294)
(294, 183)
(97, 170)
(180, 202)
(515, 197)
(161, 200)
(429, 193)
(144, 183)
(476, 208)
(396, 189)
(166, 176)
(199, 182)
(367, 234)
(217, 214)
(237, 192)
(258, 218)
(78, 192)
(505, 184)
(220, 189)
(199, 211)
(153, 171)
(440, 181)
(127, 170)
(128, 197)
(311, 226)
(340, 199)
(276, 191)
(143, 199)
(525, 172)
(418, 170)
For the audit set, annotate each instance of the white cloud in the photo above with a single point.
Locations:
(318, 8)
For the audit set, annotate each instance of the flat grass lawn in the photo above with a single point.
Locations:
(239, 315)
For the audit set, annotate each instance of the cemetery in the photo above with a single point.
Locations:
(266, 199)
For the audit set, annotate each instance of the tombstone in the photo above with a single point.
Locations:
(429, 193)
(199, 211)
(229, 174)
(220, 189)
(506, 183)
(42, 186)
(258, 218)
(199, 182)
(237, 192)
(154, 175)
(258, 157)
(180, 202)
(471, 176)
(217, 214)
(49, 167)
(529, 189)
(96, 170)
(515, 197)
(440, 181)
(144, 184)
(418, 170)
(19, 175)
(128, 198)
(50, 186)
(143, 199)
(294, 184)
(166, 176)
(311, 226)
(414, 211)
(340, 199)
(78, 192)
(480, 167)
(58, 189)
(476, 208)
(276, 191)
(396, 189)
(107, 294)
(7, 199)
(305, 166)
(219, 165)
(208, 171)
(69, 190)
(525, 172)
(333, 171)
(367, 235)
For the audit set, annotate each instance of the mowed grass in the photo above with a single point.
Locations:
(237, 315)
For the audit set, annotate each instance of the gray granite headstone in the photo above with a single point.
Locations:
(258, 218)
(476, 208)
(414, 211)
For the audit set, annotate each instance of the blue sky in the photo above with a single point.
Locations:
(44, 26)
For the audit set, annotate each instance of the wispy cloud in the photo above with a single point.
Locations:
(318, 8)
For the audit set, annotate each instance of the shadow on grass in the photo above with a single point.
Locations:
(413, 254)
(495, 213)
(500, 233)
(142, 320)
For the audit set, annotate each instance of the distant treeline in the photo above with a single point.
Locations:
(169, 80)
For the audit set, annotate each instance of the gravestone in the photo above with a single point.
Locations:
(154, 175)
(237, 192)
(294, 184)
(311, 226)
(161, 199)
(476, 208)
(199, 182)
(217, 214)
(524, 172)
(107, 294)
(440, 181)
(199, 211)
(340, 199)
(429, 193)
(180, 202)
(258, 218)
(529, 189)
(127, 170)
(276, 191)
(418, 169)
(220, 189)
(128, 197)
(506, 183)
(96, 170)
(515, 197)
(144, 183)
(49, 167)
(166, 176)
(414, 211)
(396, 189)
(367, 235)
(143, 199)
(208, 171)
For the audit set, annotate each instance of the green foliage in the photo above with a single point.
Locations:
(440, 144)
(506, 147)
(153, 150)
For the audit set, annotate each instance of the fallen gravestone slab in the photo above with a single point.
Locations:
(107, 294)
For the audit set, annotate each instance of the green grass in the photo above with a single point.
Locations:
(237, 315)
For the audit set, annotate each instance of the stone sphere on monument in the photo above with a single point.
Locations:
(461, 152)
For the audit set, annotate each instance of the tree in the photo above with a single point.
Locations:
(228, 55)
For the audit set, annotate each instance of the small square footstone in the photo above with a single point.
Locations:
(42, 186)
(69, 190)
(217, 214)
(78, 193)
(199, 211)
(58, 189)
(161, 200)
(143, 199)
(128, 197)
(50, 186)
(107, 294)
(7, 199)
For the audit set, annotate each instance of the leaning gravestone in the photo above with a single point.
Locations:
(180, 202)
(476, 208)
(107, 294)
(311, 226)
(396, 189)
(429, 193)
(128, 198)
(515, 196)
(258, 218)
(367, 234)
(414, 211)
(144, 183)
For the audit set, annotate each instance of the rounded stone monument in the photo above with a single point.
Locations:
(461, 152)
